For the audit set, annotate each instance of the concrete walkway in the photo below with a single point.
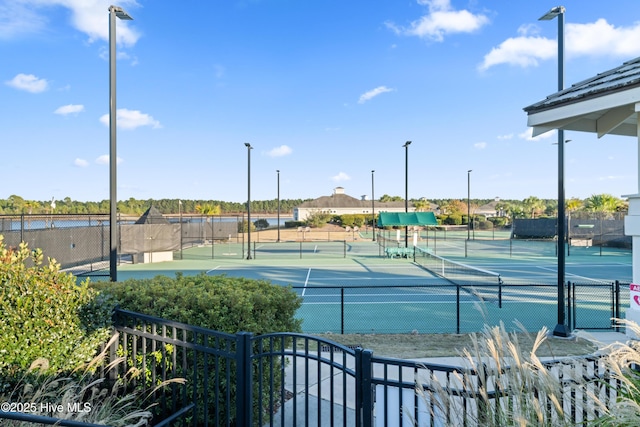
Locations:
(311, 404)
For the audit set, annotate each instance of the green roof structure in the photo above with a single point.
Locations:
(405, 219)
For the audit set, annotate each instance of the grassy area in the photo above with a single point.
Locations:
(410, 346)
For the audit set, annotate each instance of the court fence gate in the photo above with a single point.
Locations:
(289, 379)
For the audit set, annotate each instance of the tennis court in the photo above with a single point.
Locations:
(349, 287)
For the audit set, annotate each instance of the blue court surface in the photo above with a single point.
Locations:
(353, 287)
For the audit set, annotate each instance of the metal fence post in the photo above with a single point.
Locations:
(570, 304)
(364, 389)
(457, 309)
(342, 310)
(617, 305)
(244, 403)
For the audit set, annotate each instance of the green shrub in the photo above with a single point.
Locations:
(483, 224)
(453, 219)
(261, 224)
(499, 221)
(243, 226)
(220, 303)
(353, 220)
(318, 219)
(294, 224)
(46, 313)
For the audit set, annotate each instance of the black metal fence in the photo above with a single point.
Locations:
(451, 308)
(289, 379)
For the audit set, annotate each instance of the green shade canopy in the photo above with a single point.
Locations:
(405, 219)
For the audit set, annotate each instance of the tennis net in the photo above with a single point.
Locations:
(484, 284)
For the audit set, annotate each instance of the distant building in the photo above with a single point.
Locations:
(490, 209)
(340, 203)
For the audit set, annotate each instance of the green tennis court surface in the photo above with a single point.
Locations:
(352, 287)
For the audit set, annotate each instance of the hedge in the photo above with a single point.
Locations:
(220, 303)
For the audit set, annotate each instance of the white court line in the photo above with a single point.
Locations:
(575, 275)
(389, 302)
(306, 281)
(209, 271)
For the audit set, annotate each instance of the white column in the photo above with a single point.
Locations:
(632, 228)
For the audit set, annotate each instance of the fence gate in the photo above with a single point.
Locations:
(587, 303)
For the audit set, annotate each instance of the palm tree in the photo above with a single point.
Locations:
(208, 209)
(421, 205)
(533, 205)
(603, 203)
(571, 205)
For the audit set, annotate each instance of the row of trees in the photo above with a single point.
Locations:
(531, 207)
(15, 205)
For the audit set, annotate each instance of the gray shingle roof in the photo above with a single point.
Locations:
(620, 78)
(345, 201)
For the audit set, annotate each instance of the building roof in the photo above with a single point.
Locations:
(489, 208)
(340, 200)
(152, 216)
(603, 104)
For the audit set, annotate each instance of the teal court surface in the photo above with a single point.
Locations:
(353, 287)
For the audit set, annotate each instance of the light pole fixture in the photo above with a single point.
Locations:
(180, 219)
(469, 204)
(373, 207)
(561, 328)
(278, 171)
(249, 148)
(406, 190)
(114, 12)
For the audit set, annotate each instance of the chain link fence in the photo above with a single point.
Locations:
(449, 308)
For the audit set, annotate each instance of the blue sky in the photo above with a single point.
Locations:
(325, 92)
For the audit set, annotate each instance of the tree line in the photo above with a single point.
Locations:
(16, 205)
(531, 207)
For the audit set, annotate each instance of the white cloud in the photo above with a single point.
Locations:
(28, 82)
(480, 145)
(131, 119)
(373, 93)
(87, 16)
(505, 137)
(104, 160)
(17, 18)
(441, 20)
(341, 177)
(280, 151)
(595, 39)
(520, 51)
(69, 109)
(81, 163)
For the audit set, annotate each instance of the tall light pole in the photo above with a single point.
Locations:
(278, 171)
(561, 328)
(469, 204)
(406, 189)
(180, 219)
(373, 207)
(249, 148)
(114, 12)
